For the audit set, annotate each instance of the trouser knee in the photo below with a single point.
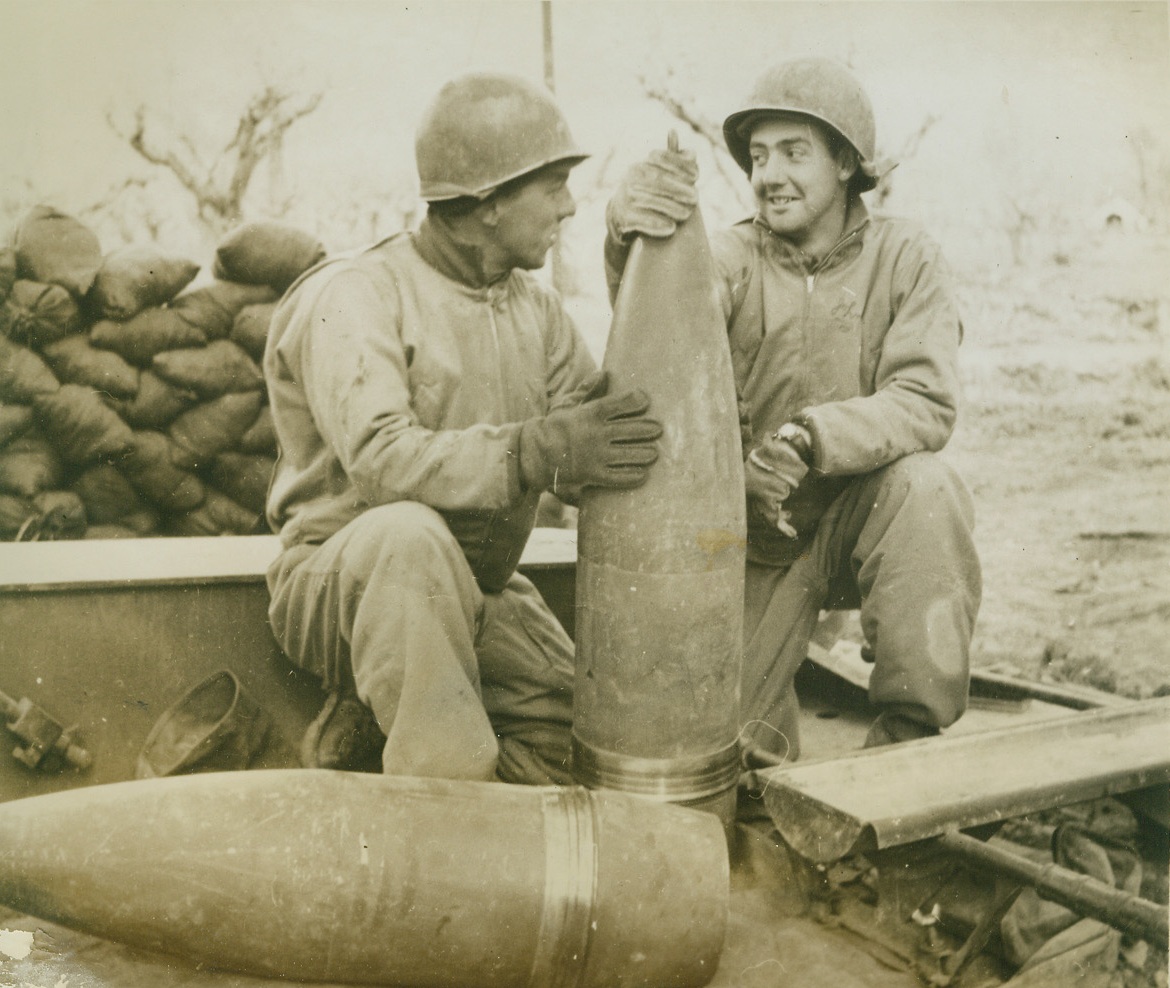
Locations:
(926, 480)
(370, 574)
(405, 537)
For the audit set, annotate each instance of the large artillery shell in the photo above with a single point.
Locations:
(334, 876)
(661, 568)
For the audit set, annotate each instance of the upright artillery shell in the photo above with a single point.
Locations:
(334, 876)
(660, 570)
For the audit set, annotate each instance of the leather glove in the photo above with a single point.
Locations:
(772, 472)
(605, 441)
(654, 196)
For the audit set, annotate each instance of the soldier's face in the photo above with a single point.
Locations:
(799, 184)
(528, 218)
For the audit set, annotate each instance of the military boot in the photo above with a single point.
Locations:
(344, 735)
(890, 728)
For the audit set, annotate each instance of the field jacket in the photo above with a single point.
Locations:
(862, 347)
(398, 375)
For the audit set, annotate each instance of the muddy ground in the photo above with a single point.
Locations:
(1064, 439)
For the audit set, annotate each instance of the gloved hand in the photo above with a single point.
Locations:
(605, 441)
(655, 195)
(772, 472)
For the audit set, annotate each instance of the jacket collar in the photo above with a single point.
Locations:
(458, 260)
(856, 220)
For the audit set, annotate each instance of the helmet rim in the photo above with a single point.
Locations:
(848, 114)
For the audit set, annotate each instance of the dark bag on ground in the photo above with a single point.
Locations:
(76, 361)
(24, 376)
(62, 515)
(17, 515)
(209, 371)
(39, 314)
(250, 330)
(156, 404)
(83, 428)
(29, 465)
(107, 495)
(217, 515)
(243, 477)
(213, 308)
(137, 278)
(149, 333)
(14, 421)
(209, 429)
(131, 527)
(152, 472)
(261, 435)
(270, 254)
(58, 249)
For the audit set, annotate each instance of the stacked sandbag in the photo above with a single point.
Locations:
(269, 254)
(197, 393)
(56, 249)
(132, 403)
(30, 467)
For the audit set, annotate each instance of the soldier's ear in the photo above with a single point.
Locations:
(847, 163)
(488, 212)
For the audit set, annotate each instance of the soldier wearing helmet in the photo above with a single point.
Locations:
(844, 337)
(426, 393)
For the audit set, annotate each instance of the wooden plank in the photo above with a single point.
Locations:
(884, 797)
(214, 559)
(843, 659)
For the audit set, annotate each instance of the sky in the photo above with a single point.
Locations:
(1035, 103)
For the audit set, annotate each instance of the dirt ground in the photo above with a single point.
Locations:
(1064, 439)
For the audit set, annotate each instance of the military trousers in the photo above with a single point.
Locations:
(897, 543)
(465, 684)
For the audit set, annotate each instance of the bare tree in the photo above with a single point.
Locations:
(1153, 165)
(218, 184)
(684, 109)
(886, 164)
(1020, 227)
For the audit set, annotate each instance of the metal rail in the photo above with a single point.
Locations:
(1085, 895)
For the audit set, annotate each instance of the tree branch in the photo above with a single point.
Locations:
(219, 189)
(700, 124)
(160, 156)
(261, 132)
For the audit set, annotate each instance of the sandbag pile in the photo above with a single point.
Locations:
(130, 403)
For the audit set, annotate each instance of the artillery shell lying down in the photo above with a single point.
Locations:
(369, 879)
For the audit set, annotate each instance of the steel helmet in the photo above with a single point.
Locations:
(484, 129)
(815, 87)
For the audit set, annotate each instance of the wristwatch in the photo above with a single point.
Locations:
(799, 438)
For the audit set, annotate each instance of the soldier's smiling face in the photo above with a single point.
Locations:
(799, 181)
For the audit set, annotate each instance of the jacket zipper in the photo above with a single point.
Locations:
(810, 281)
